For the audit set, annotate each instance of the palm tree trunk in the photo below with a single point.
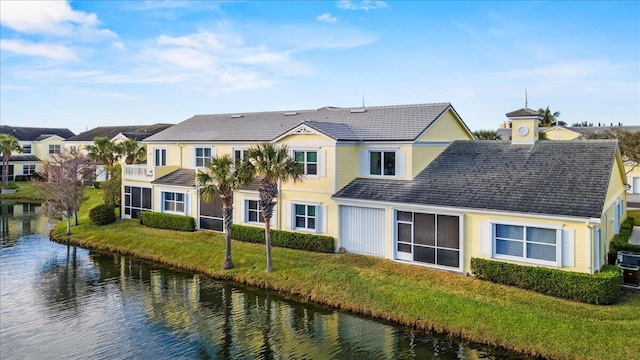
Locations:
(5, 172)
(267, 240)
(227, 218)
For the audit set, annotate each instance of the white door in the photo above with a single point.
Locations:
(636, 185)
(362, 230)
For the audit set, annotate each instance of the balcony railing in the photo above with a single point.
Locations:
(137, 172)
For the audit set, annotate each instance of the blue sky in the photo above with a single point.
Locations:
(83, 64)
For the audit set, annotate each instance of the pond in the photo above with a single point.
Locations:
(66, 302)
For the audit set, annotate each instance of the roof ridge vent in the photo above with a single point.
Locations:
(236, 116)
(290, 113)
(353, 111)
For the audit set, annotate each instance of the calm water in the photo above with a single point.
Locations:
(60, 302)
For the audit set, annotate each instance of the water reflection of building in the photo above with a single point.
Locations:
(227, 321)
(21, 219)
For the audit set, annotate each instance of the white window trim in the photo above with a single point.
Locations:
(195, 157)
(400, 166)
(24, 166)
(242, 152)
(30, 149)
(185, 201)
(321, 216)
(523, 259)
(245, 212)
(294, 215)
(53, 146)
(154, 155)
(317, 151)
(460, 250)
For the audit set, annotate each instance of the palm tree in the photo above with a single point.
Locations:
(8, 145)
(103, 150)
(275, 165)
(132, 151)
(486, 135)
(548, 118)
(222, 177)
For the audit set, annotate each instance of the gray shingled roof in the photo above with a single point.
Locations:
(138, 132)
(22, 158)
(551, 177)
(389, 123)
(523, 112)
(33, 133)
(180, 177)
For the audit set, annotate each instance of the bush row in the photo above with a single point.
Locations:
(621, 240)
(167, 221)
(102, 215)
(286, 239)
(599, 288)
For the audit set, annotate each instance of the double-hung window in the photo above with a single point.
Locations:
(54, 149)
(203, 156)
(305, 217)
(28, 169)
(160, 157)
(26, 149)
(173, 202)
(527, 243)
(253, 212)
(239, 154)
(382, 163)
(308, 159)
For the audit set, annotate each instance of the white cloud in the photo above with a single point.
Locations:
(365, 5)
(51, 18)
(327, 17)
(119, 45)
(51, 51)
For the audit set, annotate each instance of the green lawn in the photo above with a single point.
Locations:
(458, 305)
(26, 192)
(635, 214)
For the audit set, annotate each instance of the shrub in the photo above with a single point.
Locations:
(112, 192)
(621, 240)
(286, 239)
(96, 184)
(600, 288)
(11, 185)
(167, 221)
(102, 215)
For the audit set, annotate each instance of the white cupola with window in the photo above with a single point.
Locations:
(524, 126)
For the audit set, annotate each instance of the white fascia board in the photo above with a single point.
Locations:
(456, 210)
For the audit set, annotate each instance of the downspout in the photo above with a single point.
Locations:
(180, 146)
(589, 247)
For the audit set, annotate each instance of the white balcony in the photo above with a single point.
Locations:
(137, 172)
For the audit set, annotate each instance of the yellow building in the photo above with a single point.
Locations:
(336, 146)
(37, 144)
(407, 183)
(554, 204)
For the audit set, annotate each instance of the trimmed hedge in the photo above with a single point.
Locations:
(286, 239)
(600, 288)
(102, 215)
(167, 221)
(621, 240)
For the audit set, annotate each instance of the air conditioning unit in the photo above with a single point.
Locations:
(629, 262)
(628, 258)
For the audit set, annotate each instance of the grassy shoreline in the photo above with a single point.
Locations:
(452, 304)
(26, 192)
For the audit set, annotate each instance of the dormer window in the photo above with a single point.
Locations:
(382, 163)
